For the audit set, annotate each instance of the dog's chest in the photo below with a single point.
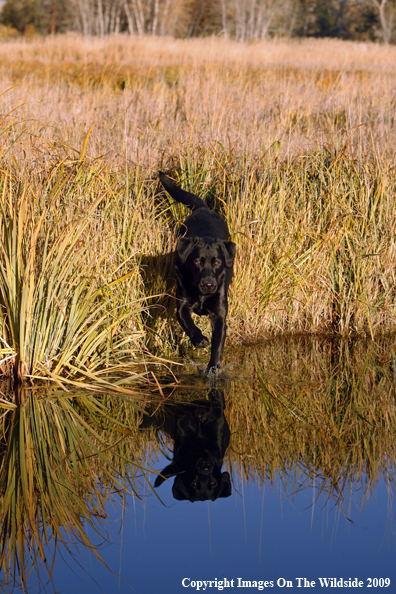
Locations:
(199, 306)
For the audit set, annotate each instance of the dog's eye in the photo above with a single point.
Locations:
(217, 262)
(197, 262)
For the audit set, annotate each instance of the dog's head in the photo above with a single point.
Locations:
(205, 260)
(201, 487)
(199, 482)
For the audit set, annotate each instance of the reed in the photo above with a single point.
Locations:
(53, 316)
(292, 142)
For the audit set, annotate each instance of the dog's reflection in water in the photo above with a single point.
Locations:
(201, 436)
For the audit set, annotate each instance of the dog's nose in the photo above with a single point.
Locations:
(208, 286)
(205, 466)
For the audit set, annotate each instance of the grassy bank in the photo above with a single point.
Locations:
(292, 142)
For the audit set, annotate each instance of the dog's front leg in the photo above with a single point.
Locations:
(219, 328)
(186, 322)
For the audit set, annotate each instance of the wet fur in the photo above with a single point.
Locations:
(202, 288)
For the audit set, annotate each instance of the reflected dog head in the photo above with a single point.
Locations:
(199, 486)
(201, 481)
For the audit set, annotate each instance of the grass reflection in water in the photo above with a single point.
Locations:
(317, 412)
(312, 412)
(62, 458)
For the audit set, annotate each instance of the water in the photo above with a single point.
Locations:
(259, 533)
(311, 465)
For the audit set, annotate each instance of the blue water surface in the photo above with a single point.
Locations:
(258, 534)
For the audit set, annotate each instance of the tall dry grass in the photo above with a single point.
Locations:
(292, 142)
(153, 95)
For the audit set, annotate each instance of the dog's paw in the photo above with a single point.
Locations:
(200, 342)
(212, 371)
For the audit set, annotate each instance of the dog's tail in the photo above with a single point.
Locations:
(190, 200)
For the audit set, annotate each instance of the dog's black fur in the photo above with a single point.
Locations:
(201, 436)
(204, 260)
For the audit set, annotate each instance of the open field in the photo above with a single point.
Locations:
(154, 95)
(294, 142)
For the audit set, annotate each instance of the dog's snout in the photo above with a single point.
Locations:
(205, 465)
(208, 285)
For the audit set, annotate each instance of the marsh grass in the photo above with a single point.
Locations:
(61, 315)
(292, 143)
(150, 96)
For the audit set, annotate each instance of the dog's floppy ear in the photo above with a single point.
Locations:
(225, 489)
(168, 471)
(179, 490)
(228, 248)
(184, 247)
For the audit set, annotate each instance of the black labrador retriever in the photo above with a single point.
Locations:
(204, 259)
(201, 436)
